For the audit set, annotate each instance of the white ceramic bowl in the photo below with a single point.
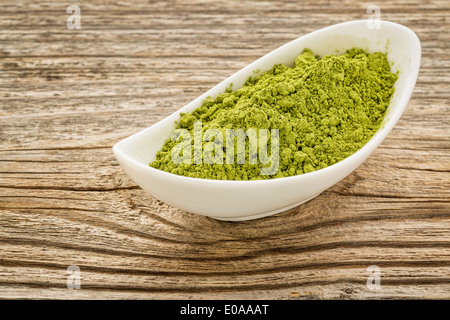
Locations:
(244, 200)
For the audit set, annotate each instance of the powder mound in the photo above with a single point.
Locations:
(324, 108)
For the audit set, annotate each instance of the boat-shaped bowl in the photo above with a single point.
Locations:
(244, 200)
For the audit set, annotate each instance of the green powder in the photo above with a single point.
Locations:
(325, 110)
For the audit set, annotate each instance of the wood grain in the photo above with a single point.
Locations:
(68, 95)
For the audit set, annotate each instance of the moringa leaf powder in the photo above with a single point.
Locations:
(325, 109)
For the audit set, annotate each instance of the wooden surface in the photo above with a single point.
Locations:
(68, 95)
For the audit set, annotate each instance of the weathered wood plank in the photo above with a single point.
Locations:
(66, 96)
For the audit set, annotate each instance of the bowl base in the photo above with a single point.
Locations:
(264, 214)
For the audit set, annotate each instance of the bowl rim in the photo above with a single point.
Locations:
(370, 145)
